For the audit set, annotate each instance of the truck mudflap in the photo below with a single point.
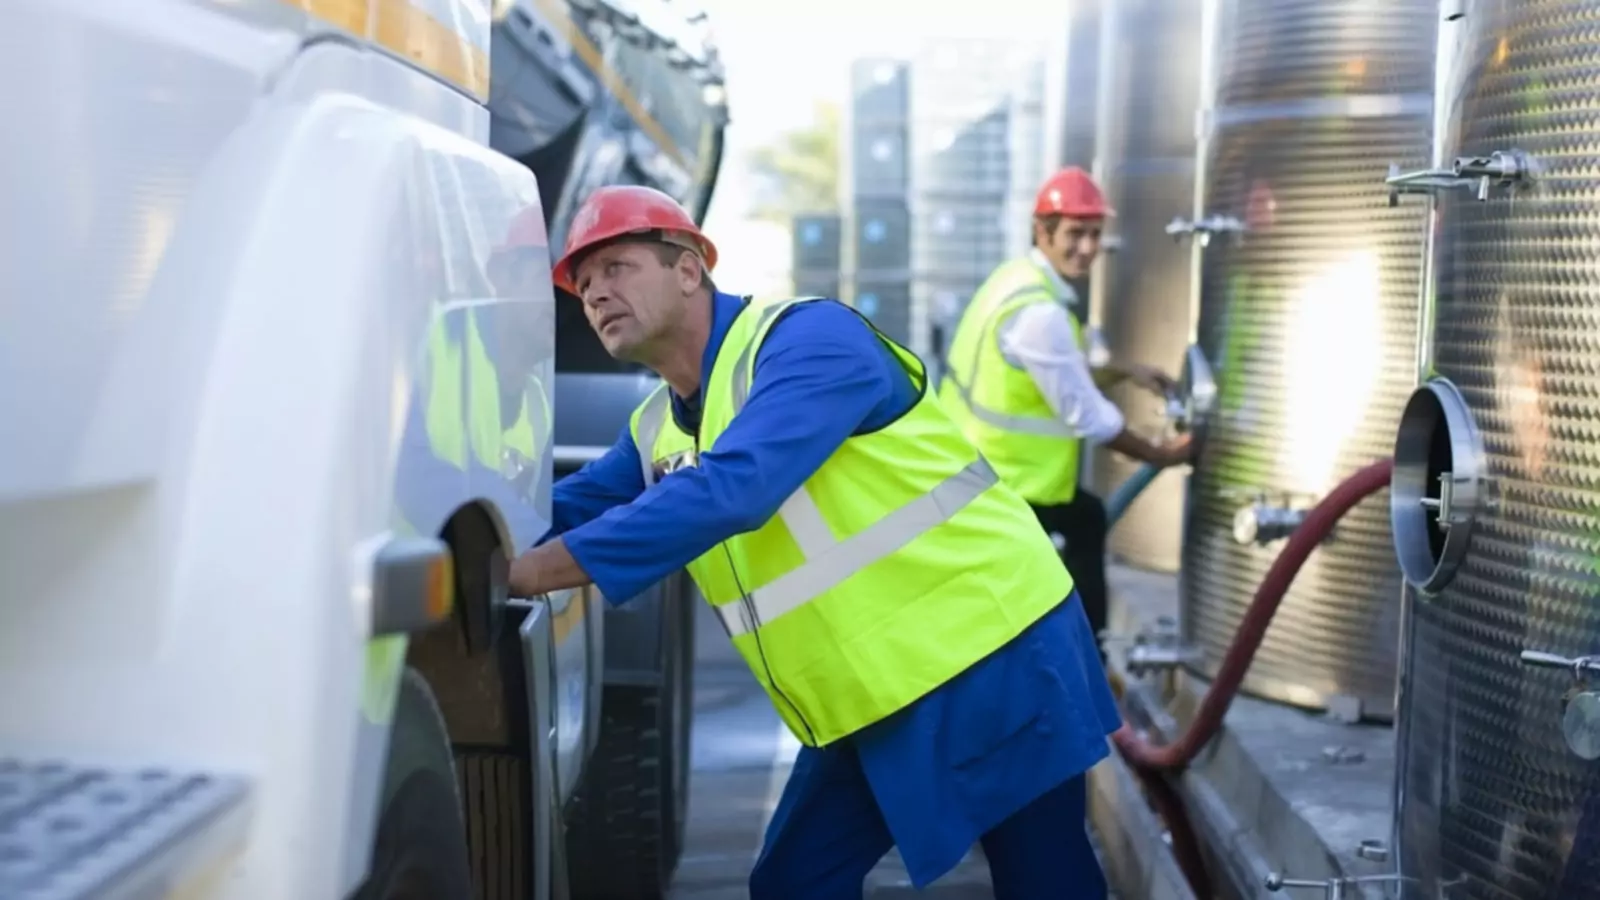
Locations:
(76, 831)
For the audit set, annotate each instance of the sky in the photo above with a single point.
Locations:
(781, 59)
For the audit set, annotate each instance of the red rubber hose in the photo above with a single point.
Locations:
(1317, 526)
(1149, 760)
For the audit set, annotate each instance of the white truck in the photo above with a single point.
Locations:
(276, 366)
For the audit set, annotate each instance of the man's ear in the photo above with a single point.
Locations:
(691, 272)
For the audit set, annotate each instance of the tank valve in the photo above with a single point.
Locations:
(1261, 523)
(1502, 167)
(1332, 888)
(1204, 227)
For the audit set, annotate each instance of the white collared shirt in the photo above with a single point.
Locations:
(1038, 338)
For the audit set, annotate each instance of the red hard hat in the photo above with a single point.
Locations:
(1071, 193)
(619, 210)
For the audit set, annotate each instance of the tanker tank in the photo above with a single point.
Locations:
(1149, 159)
(1308, 317)
(1497, 469)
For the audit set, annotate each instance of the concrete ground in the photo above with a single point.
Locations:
(741, 757)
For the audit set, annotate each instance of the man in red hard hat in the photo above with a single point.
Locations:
(902, 608)
(1018, 381)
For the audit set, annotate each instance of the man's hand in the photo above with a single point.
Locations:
(545, 569)
(1178, 450)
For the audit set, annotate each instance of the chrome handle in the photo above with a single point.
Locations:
(1577, 665)
(1205, 227)
(1426, 181)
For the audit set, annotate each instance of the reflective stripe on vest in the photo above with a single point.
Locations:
(996, 402)
(898, 564)
(828, 560)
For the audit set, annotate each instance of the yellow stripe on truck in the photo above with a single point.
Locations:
(409, 31)
(557, 12)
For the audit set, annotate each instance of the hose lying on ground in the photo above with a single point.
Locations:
(1151, 759)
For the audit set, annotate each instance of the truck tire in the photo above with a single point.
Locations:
(625, 833)
(420, 852)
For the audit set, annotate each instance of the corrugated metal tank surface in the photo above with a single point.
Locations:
(1310, 322)
(1493, 805)
(1146, 308)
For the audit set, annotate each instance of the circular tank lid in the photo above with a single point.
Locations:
(1438, 486)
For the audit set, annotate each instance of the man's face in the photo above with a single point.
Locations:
(632, 298)
(1072, 246)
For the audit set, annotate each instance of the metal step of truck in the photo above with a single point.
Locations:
(75, 832)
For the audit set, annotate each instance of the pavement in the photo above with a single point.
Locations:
(741, 756)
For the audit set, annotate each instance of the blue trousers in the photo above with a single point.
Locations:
(827, 834)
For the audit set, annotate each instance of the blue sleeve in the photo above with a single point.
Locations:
(614, 479)
(821, 376)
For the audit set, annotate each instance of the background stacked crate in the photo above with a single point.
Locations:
(816, 255)
(876, 225)
(968, 120)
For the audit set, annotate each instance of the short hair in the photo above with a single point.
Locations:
(669, 254)
(1050, 222)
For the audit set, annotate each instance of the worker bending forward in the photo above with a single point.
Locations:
(1018, 381)
(902, 608)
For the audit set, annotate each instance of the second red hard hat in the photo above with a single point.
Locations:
(1071, 193)
(621, 210)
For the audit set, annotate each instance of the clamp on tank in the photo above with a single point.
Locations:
(1498, 169)
(1205, 227)
(1332, 888)
(1580, 715)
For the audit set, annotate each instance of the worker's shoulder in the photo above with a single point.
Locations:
(819, 319)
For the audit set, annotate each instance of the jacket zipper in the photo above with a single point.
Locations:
(755, 630)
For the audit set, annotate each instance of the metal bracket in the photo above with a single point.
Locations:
(1499, 169)
(1205, 227)
(1332, 888)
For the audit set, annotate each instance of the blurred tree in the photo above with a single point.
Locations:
(799, 172)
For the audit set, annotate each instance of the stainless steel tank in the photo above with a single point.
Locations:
(1145, 305)
(1498, 785)
(1308, 316)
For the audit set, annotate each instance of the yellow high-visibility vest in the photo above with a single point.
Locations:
(898, 564)
(492, 445)
(997, 405)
